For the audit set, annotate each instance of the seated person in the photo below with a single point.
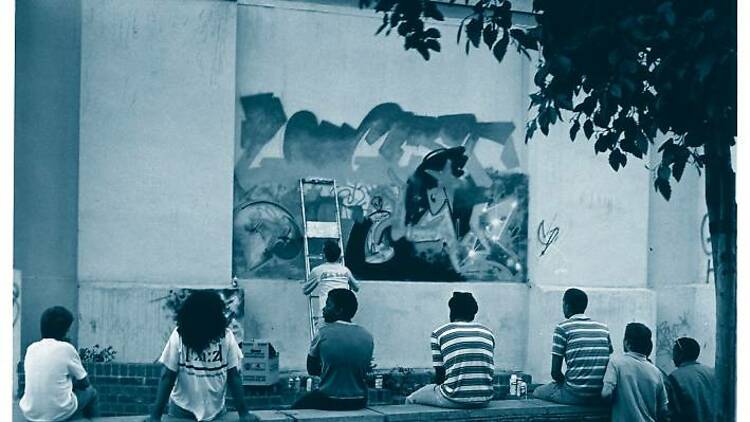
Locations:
(633, 384)
(340, 354)
(691, 386)
(585, 345)
(57, 386)
(200, 361)
(463, 356)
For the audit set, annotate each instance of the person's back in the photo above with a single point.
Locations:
(57, 386)
(691, 385)
(633, 384)
(201, 381)
(463, 357)
(466, 350)
(345, 350)
(640, 387)
(340, 354)
(50, 367)
(584, 345)
(329, 275)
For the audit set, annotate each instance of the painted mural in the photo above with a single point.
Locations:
(423, 198)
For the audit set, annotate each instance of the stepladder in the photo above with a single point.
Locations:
(321, 218)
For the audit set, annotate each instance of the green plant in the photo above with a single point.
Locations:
(96, 354)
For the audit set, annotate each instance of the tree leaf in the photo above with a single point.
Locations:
(617, 159)
(489, 35)
(588, 129)
(605, 141)
(432, 45)
(384, 25)
(662, 186)
(574, 130)
(474, 31)
(432, 33)
(530, 129)
(615, 90)
(501, 46)
(431, 11)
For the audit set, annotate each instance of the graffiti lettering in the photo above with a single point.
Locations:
(421, 197)
(546, 238)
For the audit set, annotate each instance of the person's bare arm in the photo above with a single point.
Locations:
(81, 384)
(353, 283)
(439, 375)
(314, 366)
(166, 383)
(556, 371)
(610, 381)
(234, 382)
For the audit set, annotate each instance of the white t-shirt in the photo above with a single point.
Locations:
(50, 367)
(201, 378)
(329, 276)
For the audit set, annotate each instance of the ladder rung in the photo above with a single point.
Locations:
(322, 229)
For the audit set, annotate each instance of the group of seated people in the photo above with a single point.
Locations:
(201, 360)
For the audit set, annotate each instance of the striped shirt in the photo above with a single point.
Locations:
(466, 351)
(586, 346)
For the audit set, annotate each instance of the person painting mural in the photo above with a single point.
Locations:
(330, 275)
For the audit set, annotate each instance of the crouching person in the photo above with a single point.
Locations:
(200, 361)
(463, 357)
(340, 354)
(57, 386)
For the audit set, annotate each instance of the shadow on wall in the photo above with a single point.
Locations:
(422, 198)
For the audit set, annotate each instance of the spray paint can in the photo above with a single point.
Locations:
(297, 383)
(522, 389)
(309, 384)
(513, 384)
(378, 382)
(290, 384)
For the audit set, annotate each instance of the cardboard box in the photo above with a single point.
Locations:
(260, 364)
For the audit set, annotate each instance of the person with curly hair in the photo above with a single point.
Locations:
(200, 360)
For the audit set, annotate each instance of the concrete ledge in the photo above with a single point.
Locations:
(531, 410)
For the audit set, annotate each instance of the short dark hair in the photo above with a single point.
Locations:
(463, 306)
(332, 251)
(638, 337)
(576, 300)
(345, 300)
(201, 320)
(687, 348)
(55, 322)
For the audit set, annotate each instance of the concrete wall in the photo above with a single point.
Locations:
(47, 89)
(156, 148)
(159, 115)
(399, 315)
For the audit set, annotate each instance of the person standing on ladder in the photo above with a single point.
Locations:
(330, 275)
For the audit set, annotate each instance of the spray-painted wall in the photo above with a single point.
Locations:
(431, 182)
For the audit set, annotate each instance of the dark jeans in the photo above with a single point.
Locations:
(317, 400)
